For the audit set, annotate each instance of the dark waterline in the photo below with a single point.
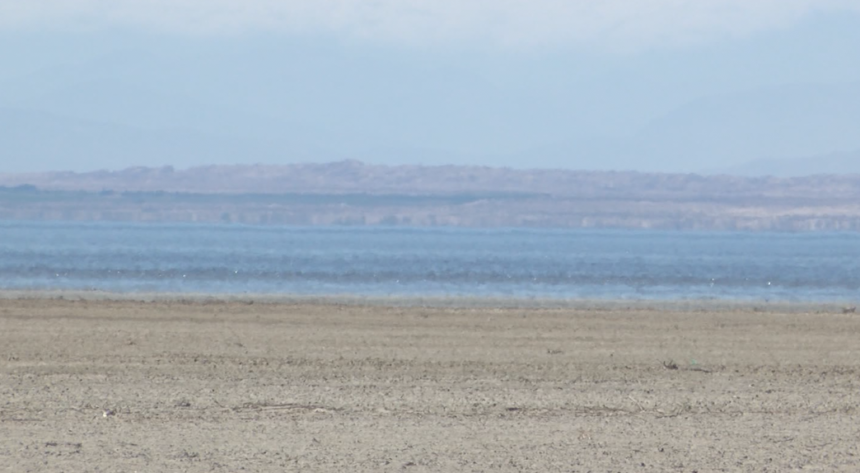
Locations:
(395, 261)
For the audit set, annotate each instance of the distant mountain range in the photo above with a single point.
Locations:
(189, 109)
(833, 163)
(351, 176)
(353, 193)
(785, 123)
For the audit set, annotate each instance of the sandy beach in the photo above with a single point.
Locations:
(209, 385)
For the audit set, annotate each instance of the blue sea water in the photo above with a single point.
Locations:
(382, 261)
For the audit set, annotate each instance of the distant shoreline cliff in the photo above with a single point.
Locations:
(352, 193)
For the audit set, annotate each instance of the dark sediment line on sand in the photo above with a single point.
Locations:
(454, 302)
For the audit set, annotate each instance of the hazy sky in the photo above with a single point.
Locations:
(503, 24)
(671, 85)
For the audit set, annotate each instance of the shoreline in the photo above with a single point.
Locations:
(442, 302)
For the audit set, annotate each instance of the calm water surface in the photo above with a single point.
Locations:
(430, 262)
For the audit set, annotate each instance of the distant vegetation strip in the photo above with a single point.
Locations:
(354, 193)
(30, 194)
(353, 177)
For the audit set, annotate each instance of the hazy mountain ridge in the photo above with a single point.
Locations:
(830, 163)
(187, 103)
(353, 193)
(354, 176)
(768, 128)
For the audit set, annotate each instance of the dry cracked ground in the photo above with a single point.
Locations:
(232, 386)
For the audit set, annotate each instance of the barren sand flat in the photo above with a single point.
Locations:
(227, 386)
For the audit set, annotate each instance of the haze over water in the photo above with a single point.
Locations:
(704, 86)
(394, 261)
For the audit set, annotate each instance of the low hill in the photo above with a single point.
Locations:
(350, 192)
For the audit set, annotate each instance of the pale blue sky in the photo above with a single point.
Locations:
(659, 85)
